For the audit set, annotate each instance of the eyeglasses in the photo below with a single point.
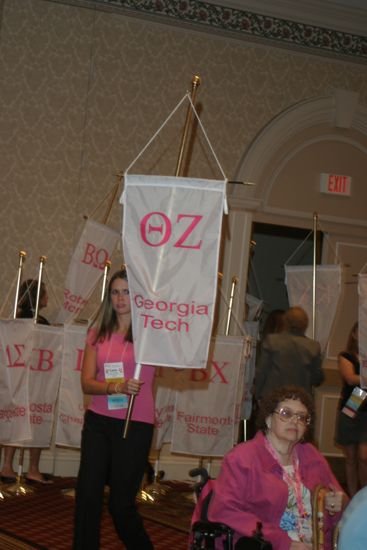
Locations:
(286, 415)
(117, 292)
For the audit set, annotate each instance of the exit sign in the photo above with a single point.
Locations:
(335, 184)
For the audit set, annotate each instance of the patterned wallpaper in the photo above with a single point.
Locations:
(82, 92)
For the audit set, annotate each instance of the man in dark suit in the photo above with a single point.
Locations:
(289, 358)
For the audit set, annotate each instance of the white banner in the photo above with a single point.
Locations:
(165, 388)
(362, 327)
(299, 282)
(71, 399)
(43, 382)
(95, 247)
(171, 238)
(16, 338)
(207, 413)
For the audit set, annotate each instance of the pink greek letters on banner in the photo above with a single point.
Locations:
(171, 237)
(95, 247)
(199, 426)
(43, 382)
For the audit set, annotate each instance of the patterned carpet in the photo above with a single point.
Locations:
(44, 521)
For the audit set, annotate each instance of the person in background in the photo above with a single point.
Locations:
(26, 310)
(270, 479)
(289, 357)
(106, 457)
(351, 433)
(275, 322)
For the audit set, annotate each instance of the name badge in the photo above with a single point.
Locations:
(114, 373)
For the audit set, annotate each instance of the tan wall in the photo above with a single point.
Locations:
(83, 90)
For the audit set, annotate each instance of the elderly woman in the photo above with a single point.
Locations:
(270, 478)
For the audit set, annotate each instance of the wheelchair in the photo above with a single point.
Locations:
(208, 535)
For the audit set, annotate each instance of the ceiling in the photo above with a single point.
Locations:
(344, 15)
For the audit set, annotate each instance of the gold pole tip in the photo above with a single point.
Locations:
(43, 259)
(22, 253)
(196, 80)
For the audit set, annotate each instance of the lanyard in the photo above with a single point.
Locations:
(294, 482)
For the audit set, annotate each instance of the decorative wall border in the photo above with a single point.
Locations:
(246, 24)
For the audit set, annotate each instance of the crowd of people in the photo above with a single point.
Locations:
(270, 478)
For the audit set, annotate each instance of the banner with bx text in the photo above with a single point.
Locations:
(206, 416)
(171, 238)
(95, 247)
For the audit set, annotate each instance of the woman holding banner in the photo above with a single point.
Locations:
(106, 457)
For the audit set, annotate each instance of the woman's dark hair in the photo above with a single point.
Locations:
(352, 343)
(271, 401)
(28, 296)
(106, 319)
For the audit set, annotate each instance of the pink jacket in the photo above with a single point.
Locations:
(250, 488)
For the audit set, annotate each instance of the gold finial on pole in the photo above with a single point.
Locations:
(107, 267)
(22, 258)
(235, 280)
(195, 83)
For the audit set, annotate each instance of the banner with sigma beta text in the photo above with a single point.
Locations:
(362, 327)
(206, 415)
(171, 237)
(44, 370)
(94, 249)
(15, 350)
(71, 399)
(299, 282)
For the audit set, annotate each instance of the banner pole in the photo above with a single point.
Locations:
(22, 258)
(107, 267)
(42, 261)
(131, 403)
(195, 83)
(314, 275)
(119, 177)
(230, 306)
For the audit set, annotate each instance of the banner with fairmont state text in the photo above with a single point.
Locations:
(206, 415)
(94, 249)
(171, 238)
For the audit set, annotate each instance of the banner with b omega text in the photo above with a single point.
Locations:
(171, 237)
(96, 245)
